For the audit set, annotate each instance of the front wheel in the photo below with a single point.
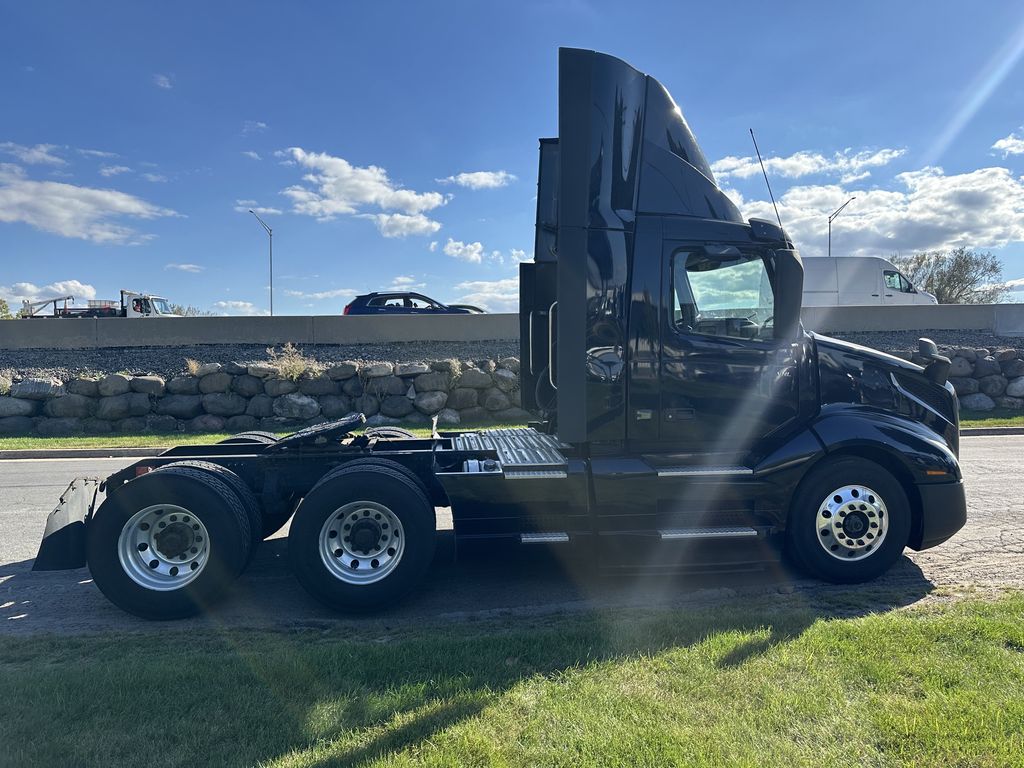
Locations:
(849, 521)
(362, 538)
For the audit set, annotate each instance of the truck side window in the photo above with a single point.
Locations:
(717, 296)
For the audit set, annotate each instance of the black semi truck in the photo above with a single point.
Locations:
(686, 418)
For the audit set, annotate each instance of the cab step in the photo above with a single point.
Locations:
(730, 532)
(552, 537)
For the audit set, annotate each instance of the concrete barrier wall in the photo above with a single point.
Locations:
(90, 333)
(1001, 319)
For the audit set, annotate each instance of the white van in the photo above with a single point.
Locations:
(857, 281)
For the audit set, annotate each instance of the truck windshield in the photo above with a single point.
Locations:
(723, 297)
(161, 307)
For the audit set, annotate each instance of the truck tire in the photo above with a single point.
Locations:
(362, 538)
(263, 438)
(388, 432)
(849, 521)
(242, 491)
(168, 544)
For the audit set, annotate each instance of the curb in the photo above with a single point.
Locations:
(990, 431)
(81, 453)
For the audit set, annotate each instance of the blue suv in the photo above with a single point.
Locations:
(404, 303)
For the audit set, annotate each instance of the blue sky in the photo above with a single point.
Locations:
(396, 144)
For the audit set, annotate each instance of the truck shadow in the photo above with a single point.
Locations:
(538, 616)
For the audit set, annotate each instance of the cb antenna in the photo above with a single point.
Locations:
(766, 183)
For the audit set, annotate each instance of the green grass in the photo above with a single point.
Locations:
(999, 417)
(743, 685)
(170, 438)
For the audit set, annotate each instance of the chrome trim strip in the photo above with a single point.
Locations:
(708, 533)
(698, 471)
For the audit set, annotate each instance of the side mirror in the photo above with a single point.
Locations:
(789, 290)
(937, 367)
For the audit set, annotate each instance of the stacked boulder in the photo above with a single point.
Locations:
(233, 397)
(985, 379)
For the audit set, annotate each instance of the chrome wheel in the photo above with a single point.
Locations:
(852, 522)
(362, 542)
(163, 547)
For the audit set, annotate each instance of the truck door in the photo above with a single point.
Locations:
(726, 382)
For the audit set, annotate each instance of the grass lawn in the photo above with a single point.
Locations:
(742, 685)
(170, 438)
(999, 417)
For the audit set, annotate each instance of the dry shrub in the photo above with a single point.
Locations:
(290, 361)
(192, 366)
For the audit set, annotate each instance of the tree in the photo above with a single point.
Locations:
(190, 311)
(5, 311)
(957, 276)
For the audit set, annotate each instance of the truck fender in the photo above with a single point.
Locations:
(922, 455)
(63, 544)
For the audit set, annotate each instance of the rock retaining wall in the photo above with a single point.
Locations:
(987, 378)
(235, 398)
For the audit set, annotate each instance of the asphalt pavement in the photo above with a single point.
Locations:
(984, 556)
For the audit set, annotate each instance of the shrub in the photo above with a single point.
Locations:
(192, 366)
(291, 362)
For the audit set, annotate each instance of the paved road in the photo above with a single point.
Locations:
(986, 555)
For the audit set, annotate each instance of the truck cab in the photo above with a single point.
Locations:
(685, 418)
(134, 304)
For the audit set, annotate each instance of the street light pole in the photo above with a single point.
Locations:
(270, 235)
(831, 218)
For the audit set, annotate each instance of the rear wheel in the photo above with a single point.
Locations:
(262, 438)
(169, 543)
(242, 492)
(849, 521)
(362, 537)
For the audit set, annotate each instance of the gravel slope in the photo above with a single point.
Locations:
(170, 361)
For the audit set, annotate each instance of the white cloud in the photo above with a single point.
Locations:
(253, 126)
(433, 246)
(114, 170)
(335, 293)
(252, 155)
(480, 179)
(185, 267)
(472, 252)
(402, 225)
(69, 210)
(239, 308)
(40, 154)
(19, 292)
(156, 178)
(338, 188)
(846, 163)
(96, 153)
(244, 206)
(519, 255)
(406, 283)
(1010, 145)
(492, 295)
(163, 81)
(927, 211)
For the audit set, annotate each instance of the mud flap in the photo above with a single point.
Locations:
(63, 544)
